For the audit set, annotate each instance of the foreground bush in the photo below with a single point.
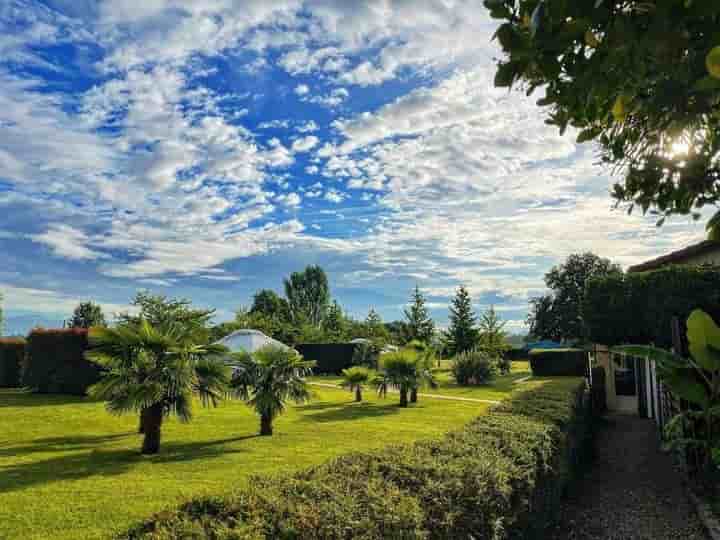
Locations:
(500, 477)
(473, 367)
(55, 362)
(12, 352)
(558, 362)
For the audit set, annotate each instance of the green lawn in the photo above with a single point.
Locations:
(69, 470)
(496, 391)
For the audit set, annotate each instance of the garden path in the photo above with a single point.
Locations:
(632, 492)
(434, 396)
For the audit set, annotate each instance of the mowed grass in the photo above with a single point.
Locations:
(495, 391)
(70, 470)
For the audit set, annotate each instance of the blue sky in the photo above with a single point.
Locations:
(206, 149)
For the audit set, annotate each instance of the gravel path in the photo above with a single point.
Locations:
(631, 492)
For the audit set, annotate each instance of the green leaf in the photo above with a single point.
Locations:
(505, 75)
(707, 84)
(688, 389)
(704, 340)
(587, 135)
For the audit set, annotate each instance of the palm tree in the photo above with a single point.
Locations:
(354, 378)
(269, 379)
(425, 375)
(155, 372)
(400, 371)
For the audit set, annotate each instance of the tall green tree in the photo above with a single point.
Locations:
(559, 315)
(163, 312)
(419, 325)
(641, 78)
(269, 379)
(270, 304)
(155, 371)
(374, 329)
(462, 334)
(334, 324)
(308, 295)
(87, 315)
(492, 338)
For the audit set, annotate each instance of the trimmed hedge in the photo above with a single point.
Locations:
(558, 362)
(12, 352)
(639, 307)
(332, 358)
(55, 362)
(501, 477)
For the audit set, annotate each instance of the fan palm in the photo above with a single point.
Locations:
(400, 372)
(354, 378)
(425, 375)
(155, 371)
(269, 379)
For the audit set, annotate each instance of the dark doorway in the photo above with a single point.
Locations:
(625, 382)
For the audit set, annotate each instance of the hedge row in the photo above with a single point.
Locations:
(500, 477)
(558, 362)
(639, 307)
(55, 362)
(12, 352)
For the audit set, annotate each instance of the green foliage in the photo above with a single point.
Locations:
(155, 371)
(355, 379)
(492, 339)
(418, 324)
(695, 380)
(502, 476)
(640, 78)
(639, 307)
(462, 334)
(308, 295)
(269, 379)
(334, 323)
(474, 367)
(558, 316)
(87, 315)
(55, 364)
(400, 371)
(374, 330)
(163, 312)
(268, 303)
(12, 353)
(558, 362)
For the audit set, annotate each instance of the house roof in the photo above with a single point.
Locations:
(677, 257)
(249, 340)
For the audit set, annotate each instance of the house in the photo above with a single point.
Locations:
(706, 252)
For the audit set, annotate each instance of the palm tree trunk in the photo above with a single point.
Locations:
(152, 425)
(266, 427)
(141, 424)
(413, 395)
(403, 397)
(358, 393)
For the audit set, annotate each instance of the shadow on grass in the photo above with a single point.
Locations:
(18, 397)
(346, 412)
(77, 466)
(61, 444)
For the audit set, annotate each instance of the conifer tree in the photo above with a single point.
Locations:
(462, 334)
(334, 323)
(419, 324)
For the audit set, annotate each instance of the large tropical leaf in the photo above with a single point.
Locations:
(704, 340)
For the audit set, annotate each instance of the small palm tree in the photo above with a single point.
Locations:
(400, 371)
(425, 375)
(269, 379)
(155, 372)
(355, 378)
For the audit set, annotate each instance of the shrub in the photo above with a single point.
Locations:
(558, 362)
(639, 307)
(12, 352)
(55, 362)
(501, 476)
(473, 367)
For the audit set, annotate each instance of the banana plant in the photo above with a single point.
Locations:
(695, 380)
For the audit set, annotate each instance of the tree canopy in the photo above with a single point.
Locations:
(419, 325)
(308, 295)
(87, 315)
(642, 78)
(558, 315)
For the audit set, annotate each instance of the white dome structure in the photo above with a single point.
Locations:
(249, 341)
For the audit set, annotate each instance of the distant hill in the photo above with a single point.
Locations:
(20, 325)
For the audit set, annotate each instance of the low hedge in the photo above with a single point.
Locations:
(501, 476)
(558, 362)
(55, 362)
(12, 352)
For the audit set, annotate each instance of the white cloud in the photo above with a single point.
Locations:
(36, 300)
(67, 242)
(302, 89)
(289, 199)
(334, 196)
(304, 144)
(308, 127)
